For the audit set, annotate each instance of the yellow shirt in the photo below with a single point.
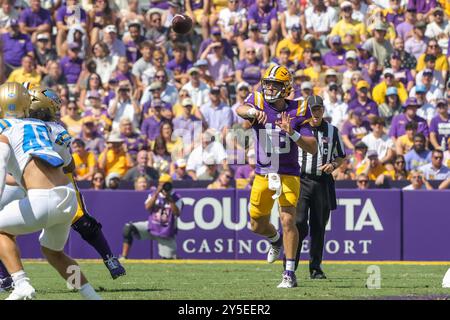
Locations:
(84, 164)
(445, 4)
(379, 92)
(73, 126)
(375, 172)
(177, 110)
(441, 63)
(115, 162)
(342, 28)
(295, 48)
(20, 76)
(405, 142)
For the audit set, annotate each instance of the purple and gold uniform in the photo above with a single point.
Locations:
(277, 153)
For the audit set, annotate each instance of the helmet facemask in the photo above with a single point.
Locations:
(273, 90)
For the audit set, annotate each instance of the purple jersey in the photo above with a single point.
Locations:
(275, 151)
(162, 221)
(441, 127)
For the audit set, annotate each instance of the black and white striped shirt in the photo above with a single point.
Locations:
(330, 147)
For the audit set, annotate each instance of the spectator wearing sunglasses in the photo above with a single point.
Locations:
(223, 181)
(362, 181)
(436, 170)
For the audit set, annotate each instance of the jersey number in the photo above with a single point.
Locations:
(272, 134)
(35, 138)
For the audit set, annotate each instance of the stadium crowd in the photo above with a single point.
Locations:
(141, 100)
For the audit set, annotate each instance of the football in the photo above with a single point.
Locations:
(181, 23)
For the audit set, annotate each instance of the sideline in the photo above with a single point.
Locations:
(181, 261)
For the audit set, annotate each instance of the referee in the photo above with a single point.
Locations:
(317, 191)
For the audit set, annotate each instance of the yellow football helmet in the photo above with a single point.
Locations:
(14, 100)
(278, 80)
(45, 103)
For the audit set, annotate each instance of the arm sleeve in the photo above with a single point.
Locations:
(4, 157)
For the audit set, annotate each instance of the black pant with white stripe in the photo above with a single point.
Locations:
(313, 206)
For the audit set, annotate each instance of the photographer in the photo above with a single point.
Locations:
(164, 206)
(418, 182)
(124, 105)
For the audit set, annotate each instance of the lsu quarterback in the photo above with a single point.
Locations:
(280, 126)
(45, 105)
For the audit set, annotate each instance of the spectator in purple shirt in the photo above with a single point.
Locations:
(71, 64)
(265, 15)
(416, 45)
(216, 36)
(133, 41)
(369, 107)
(35, 19)
(179, 65)
(422, 6)
(404, 29)
(418, 155)
(335, 58)
(249, 69)
(395, 13)
(401, 74)
(440, 126)
(151, 125)
(410, 114)
(133, 141)
(67, 16)
(354, 129)
(14, 45)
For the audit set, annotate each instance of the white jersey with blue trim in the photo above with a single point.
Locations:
(28, 138)
(61, 141)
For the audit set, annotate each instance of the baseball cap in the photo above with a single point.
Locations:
(411, 102)
(93, 94)
(110, 28)
(114, 137)
(442, 102)
(296, 26)
(345, 4)
(42, 36)
(187, 102)
(155, 85)
(388, 71)
(314, 101)
(174, 3)
(111, 176)
(428, 71)
(180, 163)
(330, 72)
(164, 177)
(335, 40)
(242, 84)
(391, 91)
(379, 25)
(420, 88)
(201, 63)
(215, 89)
(253, 27)
(396, 55)
(372, 153)
(215, 30)
(88, 119)
(12, 23)
(157, 103)
(134, 23)
(306, 85)
(350, 55)
(362, 84)
(192, 70)
(332, 85)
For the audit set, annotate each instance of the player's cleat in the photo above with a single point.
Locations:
(23, 291)
(289, 280)
(446, 280)
(274, 253)
(6, 284)
(317, 274)
(114, 267)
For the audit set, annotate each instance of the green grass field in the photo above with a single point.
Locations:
(159, 280)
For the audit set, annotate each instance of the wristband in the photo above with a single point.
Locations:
(295, 136)
(251, 113)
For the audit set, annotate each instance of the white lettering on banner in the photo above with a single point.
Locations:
(223, 213)
(348, 247)
(335, 245)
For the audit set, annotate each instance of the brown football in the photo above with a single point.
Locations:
(181, 23)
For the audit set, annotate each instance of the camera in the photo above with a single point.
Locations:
(167, 187)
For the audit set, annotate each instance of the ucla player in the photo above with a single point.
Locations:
(26, 152)
(280, 126)
(45, 104)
